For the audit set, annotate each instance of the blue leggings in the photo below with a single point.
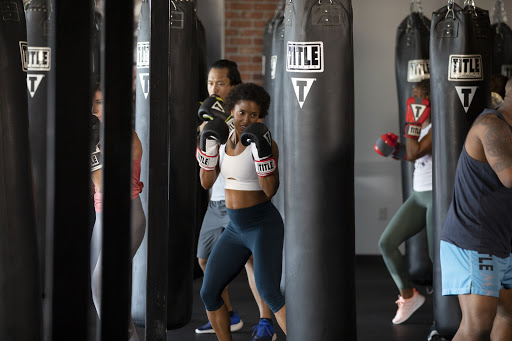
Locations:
(258, 230)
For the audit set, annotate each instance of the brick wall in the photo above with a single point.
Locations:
(245, 23)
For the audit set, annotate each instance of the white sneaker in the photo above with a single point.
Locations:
(407, 306)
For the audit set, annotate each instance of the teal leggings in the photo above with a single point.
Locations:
(411, 218)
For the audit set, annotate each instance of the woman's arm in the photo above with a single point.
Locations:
(416, 149)
(208, 178)
(270, 184)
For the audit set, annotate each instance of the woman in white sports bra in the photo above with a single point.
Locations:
(249, 167)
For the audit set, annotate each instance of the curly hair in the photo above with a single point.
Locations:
(424, 87)
(249, 92)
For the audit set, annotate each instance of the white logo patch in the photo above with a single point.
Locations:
(268, 137)
(39, 59)
(506, 70)
(33, 82)
(143, 54)
(302, 87)
(305, 56)
(24, 55)
(466, 94)
(217, 106)
(465, 68)
(273, 66)
(418, 110)
(418, 70)
(144, 83)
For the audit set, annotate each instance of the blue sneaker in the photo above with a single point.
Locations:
(264, 331)
(236, 324)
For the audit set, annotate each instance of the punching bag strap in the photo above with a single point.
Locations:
(420, 7)
(450, 9)
(471, 4)
(499, 16)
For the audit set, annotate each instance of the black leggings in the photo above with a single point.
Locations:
(258, 230)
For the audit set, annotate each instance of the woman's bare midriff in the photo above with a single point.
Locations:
(242, 199)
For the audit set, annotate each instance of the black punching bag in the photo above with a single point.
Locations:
(20, 284)
(142, 129)
(275, 117)
(39, 65)
(182, 163)
(460, 72)
(502, 51)
(319, 171)
(202, 198)
(412, 65)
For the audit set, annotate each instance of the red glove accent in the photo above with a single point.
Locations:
(386, 144)
(418, 110)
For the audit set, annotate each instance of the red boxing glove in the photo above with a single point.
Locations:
(386, 144)
(418, 110)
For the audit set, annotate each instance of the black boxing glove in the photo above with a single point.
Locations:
(213, 107)
(258, 136)
(96, 156)
(215, 133)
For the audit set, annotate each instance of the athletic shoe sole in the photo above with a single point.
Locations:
(415, 307)
(233, 328)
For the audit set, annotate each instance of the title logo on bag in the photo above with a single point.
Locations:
(305, 56)
(466, 95)
(39, 58)
(418, 70)
(33, 82)
(143, 54)
(506, 70)
(302, 87)
(24, 55)
(465, 68)
(273, 66)
(144, 83)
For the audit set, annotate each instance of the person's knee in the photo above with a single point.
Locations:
(478, 325)
(385, 246)
(272, 296)
(211, 297)
(202, 263)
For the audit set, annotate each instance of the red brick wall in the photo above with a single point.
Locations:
(245, 23)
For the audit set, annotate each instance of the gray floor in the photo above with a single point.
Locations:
(375, 297)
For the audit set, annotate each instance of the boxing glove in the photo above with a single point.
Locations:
(213, 107)
(418, 110)
(215, 133)
(258, 136)
(96, 156)
(388, 145)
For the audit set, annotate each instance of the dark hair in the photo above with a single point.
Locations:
(233, 73)
(498, 83)
(424, 87)
(249, 92)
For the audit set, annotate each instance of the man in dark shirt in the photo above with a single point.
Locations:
(476, 260)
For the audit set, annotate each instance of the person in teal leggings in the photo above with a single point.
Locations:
(416, 212)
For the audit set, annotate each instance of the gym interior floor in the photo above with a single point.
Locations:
(375, 296)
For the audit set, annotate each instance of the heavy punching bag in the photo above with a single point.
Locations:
(39, 65)
(318, 143)
(183, 166)
(267, 54)
(142, 129)
(202, 198)
(460, 72)
(412, 65)
(275, 117)
(502, 52)
(20, 280)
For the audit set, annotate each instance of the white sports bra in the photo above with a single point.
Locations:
(239, 171)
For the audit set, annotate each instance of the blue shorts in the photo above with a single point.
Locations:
(469, 272)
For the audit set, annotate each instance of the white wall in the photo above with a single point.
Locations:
(377, 182)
